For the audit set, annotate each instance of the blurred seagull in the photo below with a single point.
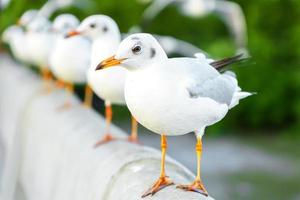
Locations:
(27, 17)
(9, 33)
(174, 96)
(230, 12)
(70, 58)
(40, 41)
(15, 36)
(107, 84)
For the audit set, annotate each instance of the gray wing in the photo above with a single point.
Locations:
(220, 88)
(202, 80)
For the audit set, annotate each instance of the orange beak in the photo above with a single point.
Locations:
(72, 33)
(109, 62)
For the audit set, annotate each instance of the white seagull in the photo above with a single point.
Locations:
(15, 36)
(27, 17)
(174, 96)
(107, 84)
(40, 41)
(230, 12)
(70, 58)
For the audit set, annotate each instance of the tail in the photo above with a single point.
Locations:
(220, 64)
(238, 93)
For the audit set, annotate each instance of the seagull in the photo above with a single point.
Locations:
(174, 96)
(20, 44)
(69, 58)
(15, 36)
(9, 33)
(230, 12)
(27, 17)
(107, 84)
(40, 41)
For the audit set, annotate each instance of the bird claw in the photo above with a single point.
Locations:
(67, 105)
(161, 183)
(133, 140)
(196, 186)
(106, 139)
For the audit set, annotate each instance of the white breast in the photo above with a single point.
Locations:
(159, 101)
(39, 48)
(108, 84)
(70, 59)
(18, 46)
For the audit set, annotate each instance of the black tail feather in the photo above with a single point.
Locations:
(220, 64)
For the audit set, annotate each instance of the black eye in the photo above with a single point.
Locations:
(105, 29)
(137, 49)
(93, 25)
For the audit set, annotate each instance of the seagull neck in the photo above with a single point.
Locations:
(102, 48)
(160, 54)
(105, 44)
(110, 38)
(48, 9)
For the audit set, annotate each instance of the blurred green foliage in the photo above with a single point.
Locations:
(274, 44)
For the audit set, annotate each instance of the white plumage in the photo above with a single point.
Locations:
(70, 58)
(40, 41)
(16, 37)
(105, 35)
(174, 96)
(107, 84)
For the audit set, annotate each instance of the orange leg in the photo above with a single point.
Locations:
(88, 97)
(47, 77)
(163, 180)
(197, 185)
(59, 84)
(134, 131)
(108, 117)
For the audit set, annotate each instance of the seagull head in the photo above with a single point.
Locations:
(97, 26)
(135, 52)
(65, 23)
(40, 24)
(27, 17)
(9, 33)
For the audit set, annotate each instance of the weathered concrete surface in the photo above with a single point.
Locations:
(48, 154)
